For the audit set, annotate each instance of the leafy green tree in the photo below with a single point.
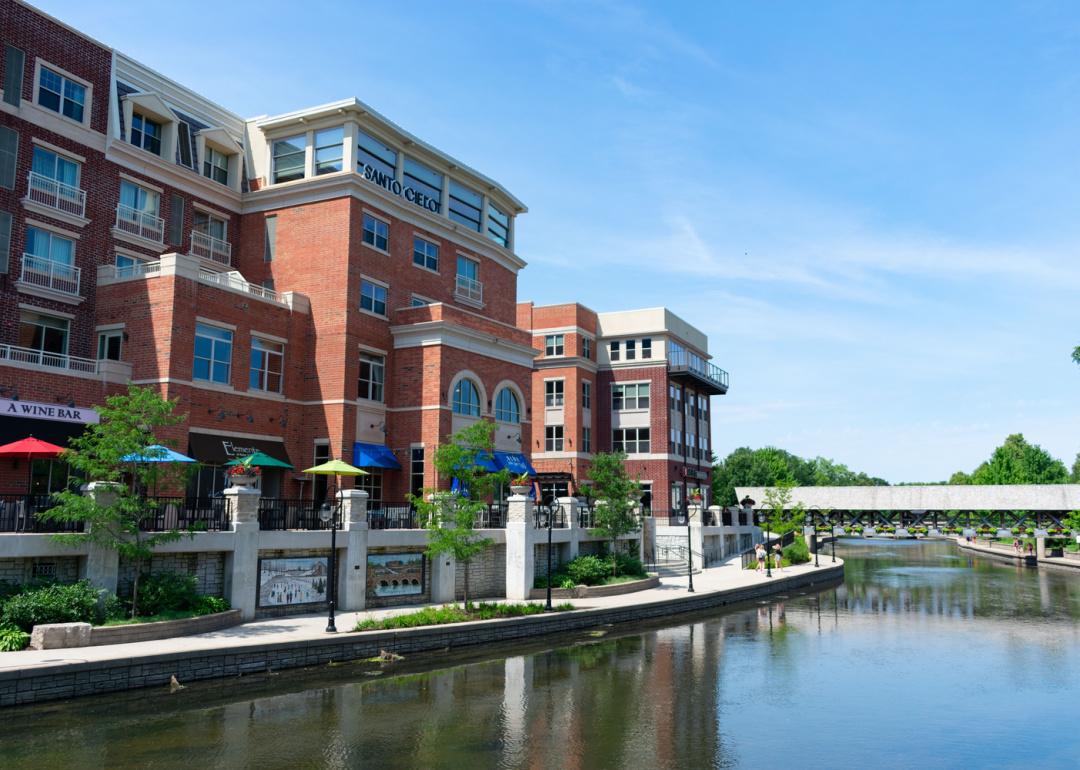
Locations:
(1018, 462)
(115, 521)
(768, 466)
(1075, 475)
(616, 495)
(450, 517)
(1076, 354)
(782, 517)
(960, 478)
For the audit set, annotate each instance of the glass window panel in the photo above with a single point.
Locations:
(373, 153)
(425, 253)
(425, 181)
(289, 158)
(328, 150)
(498, 225)
(465, 205)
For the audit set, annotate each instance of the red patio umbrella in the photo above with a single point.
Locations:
(30, 448)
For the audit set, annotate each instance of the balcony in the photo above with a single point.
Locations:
(693, 368)
(42, 358)
(45, 191)
(141, 224)
(208, 247)
(469, 290)
(233, 280)
(46, 274)
(107, 274)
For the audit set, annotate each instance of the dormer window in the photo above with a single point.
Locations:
(145, 133)
(328, 150)
(216, 165)
(289, 158)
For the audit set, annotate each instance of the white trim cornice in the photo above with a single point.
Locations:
(442, 333)
(131, 157)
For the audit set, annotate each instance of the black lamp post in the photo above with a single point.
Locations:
(326, 515)
(547, 607)
(768, 551)
(817, 545)
(689, 555)
(834, 547)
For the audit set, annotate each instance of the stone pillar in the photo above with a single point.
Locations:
(697, 541)
(352, 552)
(694, 512)
(102, 564)
(810, 538)
(444, 566)
(573, 521)
(242, 565)
(1040, 548)
(520, 548)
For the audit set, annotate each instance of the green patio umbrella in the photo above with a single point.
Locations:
(259, 460)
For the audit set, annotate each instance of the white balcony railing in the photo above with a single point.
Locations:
(113, 273)
(46, 191)
(234, 280)
(43, 358)
(47, 274)
(140, 223)
(209, 247)
(469, 288)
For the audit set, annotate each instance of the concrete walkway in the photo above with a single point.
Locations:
(726, 577)
(1007, 552)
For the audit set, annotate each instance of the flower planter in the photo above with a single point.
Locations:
(243, 480)
(520, 489)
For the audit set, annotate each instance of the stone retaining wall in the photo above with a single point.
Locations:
(52, 682)
(63, 569)
(487, 575)
(208, 569)
(165, 629)
(585, 592)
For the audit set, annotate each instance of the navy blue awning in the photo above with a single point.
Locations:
(515, 462)
(484, 460)
(374, 456)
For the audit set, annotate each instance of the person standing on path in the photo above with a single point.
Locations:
(759, 554)
(779, 554)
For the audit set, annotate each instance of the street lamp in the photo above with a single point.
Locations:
(834, 546)
(326, 515)
(813, 525)
(689, 554)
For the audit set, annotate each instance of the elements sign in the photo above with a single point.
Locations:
(55, 412)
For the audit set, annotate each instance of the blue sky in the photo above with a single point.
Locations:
(870, 208)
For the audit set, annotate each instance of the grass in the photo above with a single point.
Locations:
(452, 613)
(169, 615)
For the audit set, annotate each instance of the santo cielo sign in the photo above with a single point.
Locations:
(55, 412)
(392, 185)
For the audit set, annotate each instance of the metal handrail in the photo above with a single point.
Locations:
(276, 513)
(44, 358)
(18, 513)
(175, 512)
(207, 246)
(50, 192)
(469, 288)
(140, 223)
(128, 272)
(682, 360)
(49, 274)
(392, 516)
(234, 280)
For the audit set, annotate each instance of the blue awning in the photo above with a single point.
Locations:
(486, 461)
(515, 462)
(374, 456)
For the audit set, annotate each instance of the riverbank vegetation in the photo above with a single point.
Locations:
(589, 570)
(769, 466)
(452, 613)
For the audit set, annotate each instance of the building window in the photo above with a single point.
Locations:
(466, 206)
(58, 168)
(270, 238)
(466, 398)
(425, 181)
(646, 347)
(553, 345)
(372, 377)
(108, 345)
(44, 334)
(417, 301)
(553, 438)
(216, 165)
(267, 365)
(215, 227)
(416, 471)
(145, 133)
(128, 267)
(139, 200)
(373, 297)
(467, 281)
(630, 396)
(373, 154)
(586, 347)
(45, 245)
(586, 439)
(213, 354)
(586, 395)
(630, 440)
(425, 253)
(498, 225)
(507, 408)
(613, 350)
(372, 483)
(61, 94)
(328, 150)
(289, 158)
(631, 350)
(376, 233)
(553, 392)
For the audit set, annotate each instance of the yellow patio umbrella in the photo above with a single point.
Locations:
(335, 468)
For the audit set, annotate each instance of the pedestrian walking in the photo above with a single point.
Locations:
(778, 554)
(759, 554)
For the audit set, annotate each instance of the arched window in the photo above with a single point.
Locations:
(466, 398)
(507, 408)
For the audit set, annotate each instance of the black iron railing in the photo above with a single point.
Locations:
(18, 513)
(278, 513)
(392, 516)
(543, 513)
(671, 517)
(493, 517)
(205, 514)
(586, 517)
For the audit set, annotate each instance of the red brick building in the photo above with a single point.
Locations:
(315, 284)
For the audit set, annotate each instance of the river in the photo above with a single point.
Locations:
(925, 657)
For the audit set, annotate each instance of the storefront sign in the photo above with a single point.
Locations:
(56, 412)
(390, 184)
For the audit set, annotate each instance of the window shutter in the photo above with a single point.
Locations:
(176, 220)
(5, 240)
(9, 149)
(13, 74)
(271, 239)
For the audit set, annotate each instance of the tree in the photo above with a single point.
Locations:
(781, 517)
(1076, 354)
(450, 517)
(116, 521)
(768, 466)
(616, 495)
(1075, 475)
(1018, 462)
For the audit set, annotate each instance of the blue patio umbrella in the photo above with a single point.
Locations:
(156, 453)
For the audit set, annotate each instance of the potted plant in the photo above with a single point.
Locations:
(521, 485)
(244, 475)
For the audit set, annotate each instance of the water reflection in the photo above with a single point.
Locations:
(910, 663)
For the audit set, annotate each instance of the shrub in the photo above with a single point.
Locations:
(630, 565)
(75, 603)
(208, 605)
(798, 552)
(588, 570)
(13, 639)
(165, 592)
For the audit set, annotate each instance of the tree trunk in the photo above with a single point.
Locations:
(135, 589)
(614, 561)
(466, 593)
